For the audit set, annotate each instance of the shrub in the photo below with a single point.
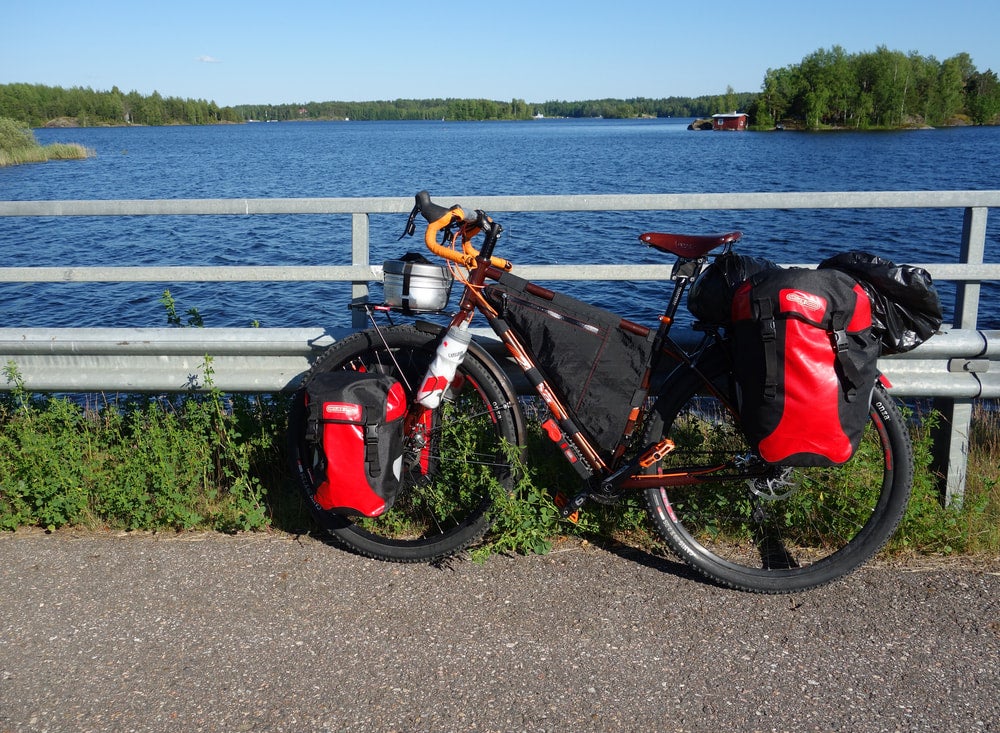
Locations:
(15, 136)
(141, 463)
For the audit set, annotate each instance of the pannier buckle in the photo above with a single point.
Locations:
(840, 341)
(371, 450)
(768, 330)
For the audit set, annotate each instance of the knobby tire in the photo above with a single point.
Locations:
(803, 527)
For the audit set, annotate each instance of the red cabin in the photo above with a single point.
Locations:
(730, 121)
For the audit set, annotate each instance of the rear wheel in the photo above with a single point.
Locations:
(789, 529)
(456, 456)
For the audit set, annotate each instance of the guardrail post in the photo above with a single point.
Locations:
(951, 448)
(359, 256)
(951, 440)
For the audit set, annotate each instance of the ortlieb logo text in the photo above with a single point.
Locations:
(806, 300)
(341, 411)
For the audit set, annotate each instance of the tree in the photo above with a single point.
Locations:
(982, 93)
(780, 90)
(948, 96)
(729, 102)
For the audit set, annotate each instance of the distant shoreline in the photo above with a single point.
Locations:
(69, 123)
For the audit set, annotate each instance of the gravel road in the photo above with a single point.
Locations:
(271, 632)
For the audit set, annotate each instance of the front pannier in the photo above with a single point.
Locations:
(805, 362)
(355, 420)
(594, 365)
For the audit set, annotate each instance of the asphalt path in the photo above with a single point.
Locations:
(272, 632)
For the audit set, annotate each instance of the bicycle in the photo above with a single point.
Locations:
(738, 520)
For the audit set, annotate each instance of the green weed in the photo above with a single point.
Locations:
(208, 460)
(139, 463)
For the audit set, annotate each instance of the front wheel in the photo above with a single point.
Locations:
(788, 529)
(456, 457)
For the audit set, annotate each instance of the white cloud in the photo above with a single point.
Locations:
(209, 60)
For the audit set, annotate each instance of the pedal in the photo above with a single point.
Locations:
(570, 508)
(656, 452)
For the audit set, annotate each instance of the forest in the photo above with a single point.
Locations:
(487, 109)
(878, 89)
(37, 105)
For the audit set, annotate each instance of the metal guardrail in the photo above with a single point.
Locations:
(956, 363)
(956, 367)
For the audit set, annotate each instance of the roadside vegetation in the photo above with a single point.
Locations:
(18, 145)
(212, 461)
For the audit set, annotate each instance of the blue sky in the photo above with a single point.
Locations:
(258, 51)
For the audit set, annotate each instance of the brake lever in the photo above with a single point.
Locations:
(411, 225)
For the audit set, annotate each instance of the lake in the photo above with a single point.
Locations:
(354, 159)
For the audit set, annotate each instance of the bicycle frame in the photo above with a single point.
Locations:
(608, 478)
(612, 477)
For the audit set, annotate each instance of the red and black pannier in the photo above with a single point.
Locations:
(356, 421)
(805, 361)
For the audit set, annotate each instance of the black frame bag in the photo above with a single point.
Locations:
(593, 364)
(356, 421)
(805, 362)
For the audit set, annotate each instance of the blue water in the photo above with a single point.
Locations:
(450, 159)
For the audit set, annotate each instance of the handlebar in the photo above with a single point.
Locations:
(469, 225)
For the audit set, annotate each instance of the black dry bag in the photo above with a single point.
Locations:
(710, 298)
(906, 310)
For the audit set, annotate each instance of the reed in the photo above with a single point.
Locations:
(18, 145)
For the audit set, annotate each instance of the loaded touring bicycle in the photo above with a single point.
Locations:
(402, 434)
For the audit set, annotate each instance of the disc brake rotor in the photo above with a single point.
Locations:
(774, 488)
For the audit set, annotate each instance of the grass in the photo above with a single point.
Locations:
(929, 528)
(216, 462)
(18, 145)
(978, 524)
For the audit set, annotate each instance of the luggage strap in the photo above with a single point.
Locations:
(850, 375)
(371, 449)
(769, 335)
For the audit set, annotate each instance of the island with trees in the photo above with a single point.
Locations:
(879, 89)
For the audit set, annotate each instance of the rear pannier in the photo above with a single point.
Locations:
(593, 363)
(805, 362)
(355, 420)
